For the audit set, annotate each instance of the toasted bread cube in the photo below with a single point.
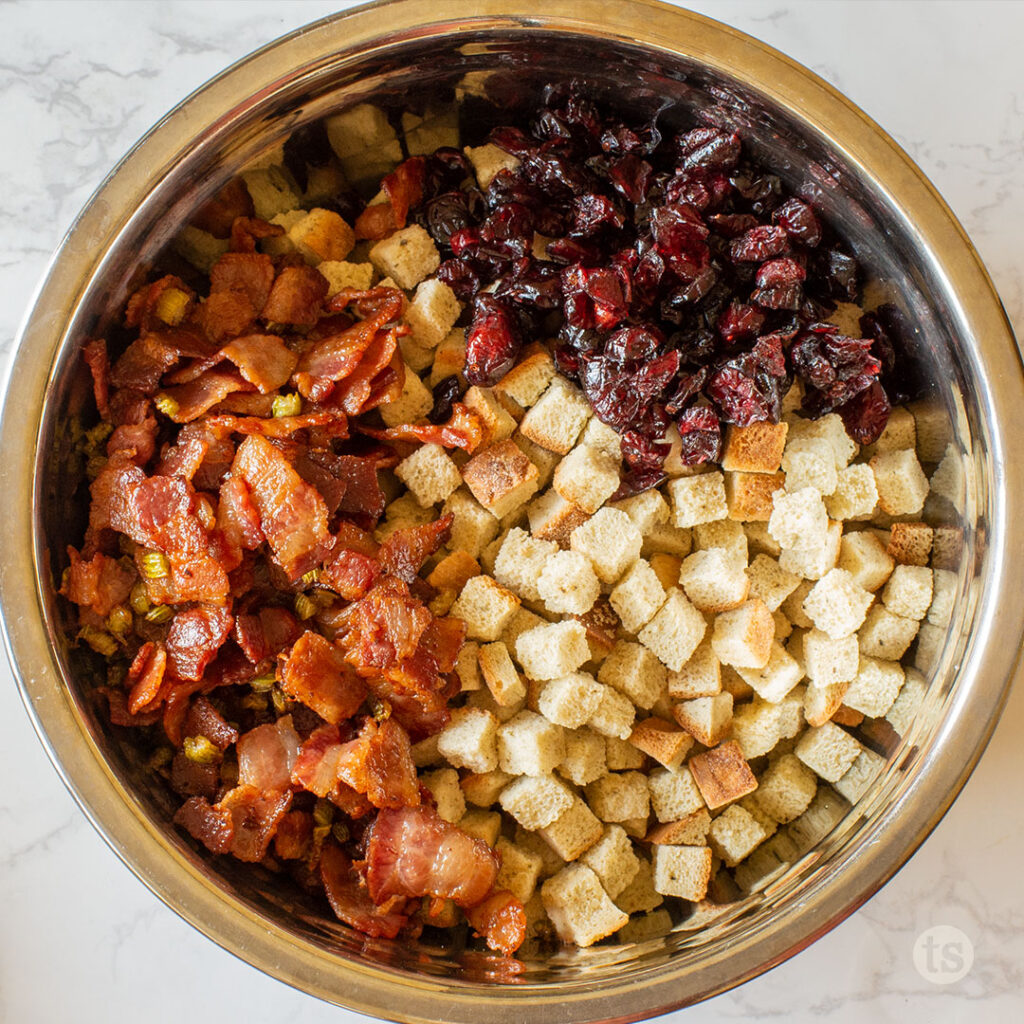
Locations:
(412, 404)
(715, 579)
(902, 485)
(614, 715)
(701, 676)
(786, 789)
(910, 543)
(585, 756)
(640, 895)
(501, 477)
(769, 582)
(612, 859)
(674, 794)
(482, 789)
(931, 640)
(754, 449)
(602, 437)
(647, 510)
(425, 753)
(651, 926)
(521, 561)
(722, 775)
(567, 583)
(828, 751)
(448, 797)
(535, 801)
(861, 774)
(364, 142)
(546, 461)
(498, 423)
(453, 571)
(570, 700)
(698, 499)
(682, 871)
(944, 588)
(485, 606)
(689, 831)
(522, 620)
(552, 650)
(488, 161)
(637, 596)
(429, 474)
(885, 635)
(777, 678)
(668, 540)
(706, 719)
(865, 559)
(823, 700)
(322, 235)
(836, 604)
(791, 714)
(831, 429)
(473, 527)
(874, 688)
(813, 563)
(662, 740)
(619, 796)
(272, 191)
(827, 809)
(341, 275)
(783, 627)
(735, 833)
(481, 824)
(519, 871)
(622, 756)
(432, 313)
(855, 495)
(438, 127)
(756, 727)
(587, 477)
(906, 706)
(469, 740)
(909, 591)
(899, 432)
(749, 495)
(558, 417)
(798, 520)
(483, 698)
(743, 637)
(552, 518)
(550, 861)
(674, 632)
(579, 907)
(793, 606)
(848, 717)
(407, 256)
(574, 831)
(666, 568)
(449, 357)
(610, 541)
(528, 379)
(932, 428)
(759, 540)
(827, 661)
(500, 675)
(634, 671)
(810, 462)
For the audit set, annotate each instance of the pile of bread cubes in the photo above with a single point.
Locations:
(659, 694)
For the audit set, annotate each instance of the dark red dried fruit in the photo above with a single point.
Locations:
(799, 221)
(701, 436)
(760, 243)
(834, 367)
(749, 388)
(740, 320)
(709, 148)
(681, 237)
(492, 342)
(866, 414)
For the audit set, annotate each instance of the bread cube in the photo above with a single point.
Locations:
(651, 926)
(756, 448)
(585, 757)
(574, 831)
(759, 540)
(725, 534)
(791, 714)
(813, 563)
(884, 635)
(634, 671)
(666, 539)
(579, 907)
(622, 756)
(535, 801)
(552, 518)
(412, 405)
(827, 660)
(522, 620)
(827, 809)
(947, 547)
(272, 190)
(567, 583)
(756, 727)
(906, 706)
(810, 462)
(831, 429)
(861, 774)
(481, 824)
(614, 715)
(793, 606)
(453, 571)
(498, 424)
(500, 675)
(909, 591)
(735, 833)
(473, 527)
(485, 606)
(743, 637)
(599, 435)
(706, 719)
(910, 543)
(429, 474)
(836, 604)
(786, 789)
(545, 461)
(483, 788)
(521, 561)
(619, 796)
(528, 379)
(798, 520)
(931, 640)
(944, 588)
(610, 541)
(341, 275)
(552, 650)
(612, 859)
(682, 871)
(587, 477)
(769, 582)
(637, 596)
(647, 510)
(519, 871)
(901, 483)
(698, 499)
(432, 313)
(570, 700)
(558, 417)
(899, 432)
(749, 495)
(700, 676)
(469, 740)
(449, 357)
(364, 142)
(874, 688)
(674, 632)
(501, 477)
(777, 678)
(488, 161)
(674, 794)
(662, 740)
(865, 559)
(448, 798)
(715, 580)
(407, 256)
(722, 775)
(855, 495)
(199, 247)
(689, 831)
(322, 235)
(828, 751)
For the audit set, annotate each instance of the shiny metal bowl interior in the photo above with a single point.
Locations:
(640, 54)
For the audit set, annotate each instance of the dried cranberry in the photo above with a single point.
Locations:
(799, 221)
(634, 344)
(630, 175)
(740, 320)
(592, 212)
(709, 148)
(513, 141)
(749, 388)
(460, 278)
(572, 250)
(510, 220)
(492, 342)
(866, 414)
(760, 243)
(680, 236)
(701, 436)
(593, 297)
(761, 193)
(445, 392)
(532, 283)
(732, 225)
(445, 215)
(690, 385)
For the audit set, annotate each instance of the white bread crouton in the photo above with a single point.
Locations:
(823, 700)
(429, 473)
(599, 435)
(407, 256)
(488, 161)
(574, 831)
(585, 758)
(664, 538)
(500, 675)
(885, 635)
(899, 432)
(272, 190)
(199, 247)
(682, 871)
(481, 824)
(735, 833)
(756, 727)
(498, 424)
(863, 556)
(909, 591)
(827, 661)
(855, 495)
(831, 429)
(640, 896)
(715, 579)
(783, 627)
(364, 142)
(552, 518)
(836, 604)
(701, 676)
(432, 313)
(587, 477)
(552, 650)
(449, 357)
(931, 640)
(777, 678)
(448, 797)
(519, 871)
(944, 588)
(827, 809)
(666, 567)
(439, 126)
(786, 789)
(527, 380)
(567, 584)
(759, 540)
(611, 542)
(901, 483)
(793, 606)
(619, 796)
(798, 520)
(469, 740)
(322, 235)
(722, 775)
(521, 561)
(530, 745)
(857, 781)
(660, 739)
(810, 462)
(425, 753)
(483, 789)
(932, 427)
(828, 751)
(743, 637)
(725, 534)
(749, 495)
(535, 800)
(341, 275)
(769, 582)
(637, 596)
(483, 698)
(622, 756)
(614, 715)
(501, 477)
(949, 481)
(874, 688)
(674, 794)
(689, 831)
(906, 706)
(706, 719)
(558, 417)
(522, 620)
(756, 448)
(412, 404)
(570, 700)
(612, 859)
(473, 527)
(910, 543)
(647, 510)
(675, 631)
(579, 907)
(813, 563)
(635, 672)
(698, 499)
(485, 606)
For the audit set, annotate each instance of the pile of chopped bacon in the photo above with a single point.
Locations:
(278, 658)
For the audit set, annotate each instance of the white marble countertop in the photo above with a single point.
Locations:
(80, 938)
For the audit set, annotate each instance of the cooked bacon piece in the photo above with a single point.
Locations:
(355, 805)
(219, 212)
(96, 358)
(282, 426)
(387, 385)
(439, 646)
(101, 583)
(381, 304)
(296, 297)
(146, 676)
(213, 825)
(250, 273)
(144, 306)
(354, 394)
(420, 714)
(375, 222)
(203, 719)
(349, 899)
(363, 495)
(202, 451)
(465, 429)
(379, 763)
(136, 439)
(255, 817)
(143, 363)
(404, 189)
(177, 697)
(316, 767)
(412, 851)
(160, 512)
(315, 674)
(403, 552)
(246, 231)
(501, 920)
(294, 837)
(117, 709)
(266, 633)
(292, 514)
(246, 403)
(264, 360)
(332, 359)
(384, 627)
(195, 637)
(192, 578)
(267, 754)
(226, 315)
(351, 574)
(238, 521)
(203, 393)
(189, 778)
(129, 406)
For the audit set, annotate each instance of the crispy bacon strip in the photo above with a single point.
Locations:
(203, 393)
(267, 754)
(219, 212)
(296, 297)
(203, 719)
(101, 583)
(501, 920)
(242, 823)
(146, 676)
(465, 429)
(195, 637)
(316, 766)
(404, 189)
(316, 674)
(379, 764)
(349, 899)
(95, 355)
(403, 552)
(264, 360)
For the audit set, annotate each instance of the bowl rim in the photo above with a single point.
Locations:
(137, 840)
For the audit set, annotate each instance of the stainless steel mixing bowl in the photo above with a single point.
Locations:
(640, 53)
